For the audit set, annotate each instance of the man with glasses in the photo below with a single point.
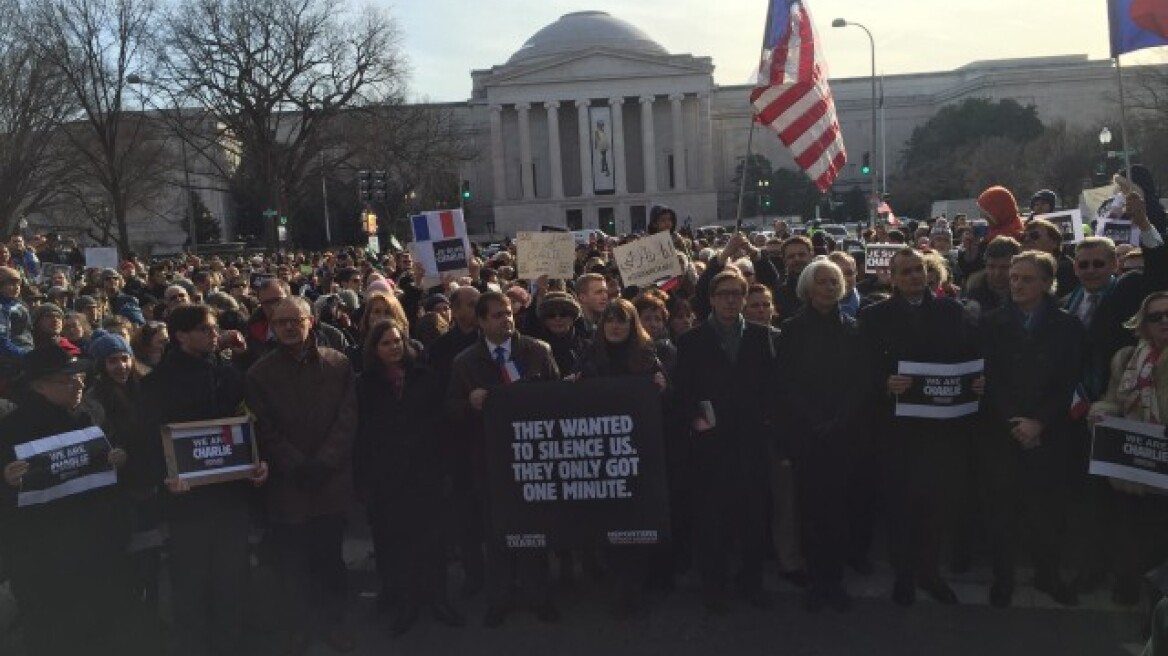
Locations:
(305, 405)
(1103, 303)
(119, 303)
(209, 525)
(725, 379)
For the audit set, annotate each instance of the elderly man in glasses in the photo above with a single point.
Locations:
(1103, 303)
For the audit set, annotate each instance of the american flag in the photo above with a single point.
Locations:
(792, 97)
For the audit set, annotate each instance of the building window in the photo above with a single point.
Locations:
(608, 220)
(637, 217)
(670, 161)
(575, 219)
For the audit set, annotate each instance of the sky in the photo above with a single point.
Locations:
(444, 40)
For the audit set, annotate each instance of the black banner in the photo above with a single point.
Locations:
(577, 465)
(63, 465)
(1130, 450)
(450, 255)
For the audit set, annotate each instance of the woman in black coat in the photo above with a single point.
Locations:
(1033, 362)
(823, 390)
(622, 347)
(398, 473)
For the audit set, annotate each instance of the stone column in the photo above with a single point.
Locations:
(648, 144)
(525, 172)
(498, 161)
(679, 174)
(585, 147)
(705, 156)
(557, 167)
(618, 145)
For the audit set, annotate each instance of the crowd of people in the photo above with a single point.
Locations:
(776, 358)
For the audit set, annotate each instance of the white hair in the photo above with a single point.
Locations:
(807, 278)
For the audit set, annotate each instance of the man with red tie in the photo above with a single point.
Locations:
(500, 357)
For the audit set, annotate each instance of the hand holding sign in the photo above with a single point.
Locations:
(898, 384)
(14, 472)
(1027, 431)
(117, 458)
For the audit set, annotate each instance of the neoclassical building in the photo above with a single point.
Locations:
(591, 122)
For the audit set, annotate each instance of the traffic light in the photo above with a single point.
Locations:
(465, 190)
(379, 185)
(866, 164)
(364, 188)
(283, 220)
(766, 201)
(370, 222)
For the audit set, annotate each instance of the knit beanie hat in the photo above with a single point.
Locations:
(107, 345)
(1001, 212)
(41, 310)
(378, 285)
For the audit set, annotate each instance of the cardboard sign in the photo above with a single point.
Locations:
(1069, 222)
(101, 258)
(577, 465)
(647, 260)
(63, 465)
(551, 254)
(1119, 231)
(440, 243)
(878, 257)
(1130, 450)
(939, 391)
(205, 452)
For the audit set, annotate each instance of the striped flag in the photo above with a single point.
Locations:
(792, 97)
(432, 226)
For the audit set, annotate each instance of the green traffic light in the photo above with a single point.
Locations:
(865, 170)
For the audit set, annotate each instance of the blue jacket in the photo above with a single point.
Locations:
(15, 327)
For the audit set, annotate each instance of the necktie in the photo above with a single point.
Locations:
(1089, 305)
(500, 356)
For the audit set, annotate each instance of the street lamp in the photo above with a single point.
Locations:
(1105, 137)
(840, 22)
(134, 78)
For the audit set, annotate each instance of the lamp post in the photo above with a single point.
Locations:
(840, 22)
(1104, 141)
(134, 78)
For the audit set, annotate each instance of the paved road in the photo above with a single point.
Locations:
(678, 626)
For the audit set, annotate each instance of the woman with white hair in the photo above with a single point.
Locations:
(823, 393)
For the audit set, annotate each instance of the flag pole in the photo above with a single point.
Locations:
(750, 135)
(1123, 119)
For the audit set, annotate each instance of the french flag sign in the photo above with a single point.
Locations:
(440, 242)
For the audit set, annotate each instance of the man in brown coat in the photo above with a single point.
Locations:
(500, 357)
(306, 410)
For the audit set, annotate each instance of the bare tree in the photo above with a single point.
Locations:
(95, 45)
(34, 101)
(270, 75)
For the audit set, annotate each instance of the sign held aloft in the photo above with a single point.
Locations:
(441, 244)
(647, 260)
(551, 254)
(878, 257)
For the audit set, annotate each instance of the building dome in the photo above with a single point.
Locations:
(582, 30)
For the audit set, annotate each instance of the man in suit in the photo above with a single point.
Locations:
(500, 357)
(921, 458)
(725, 377)
(1103, 302)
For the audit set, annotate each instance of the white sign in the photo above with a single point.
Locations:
(374, 245)
(1069, 222)
(1119, 231)
(101, 258)
(647, 260)
(551, 254)
(440, 243)
(603, 153)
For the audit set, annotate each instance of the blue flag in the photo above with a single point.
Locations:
(1137, 24)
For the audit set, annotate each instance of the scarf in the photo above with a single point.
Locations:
(396, 376)
(1137, 385)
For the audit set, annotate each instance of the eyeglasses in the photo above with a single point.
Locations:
(288, 322)
(1091, 264)
(1156, 317)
